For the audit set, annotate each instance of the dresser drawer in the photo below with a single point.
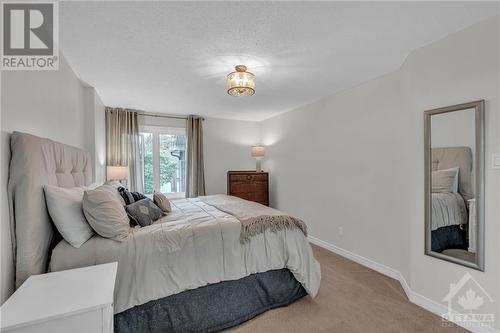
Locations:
(248, 177)
(253, 196)
(243, 187)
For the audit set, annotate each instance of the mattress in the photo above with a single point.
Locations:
(194, 246)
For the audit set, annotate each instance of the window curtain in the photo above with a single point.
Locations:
(122, 138)
(195, 171)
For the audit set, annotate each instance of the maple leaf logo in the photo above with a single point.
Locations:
(471, 301)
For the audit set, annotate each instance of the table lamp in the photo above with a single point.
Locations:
(258, 153)
(116, 172)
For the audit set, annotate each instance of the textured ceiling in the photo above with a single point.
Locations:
(173, 57)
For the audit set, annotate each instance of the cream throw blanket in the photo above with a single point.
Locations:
(254, 217)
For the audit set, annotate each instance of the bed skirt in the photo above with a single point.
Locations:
(214, 307)
(450, 237)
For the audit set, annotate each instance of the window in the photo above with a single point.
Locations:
(162, 154)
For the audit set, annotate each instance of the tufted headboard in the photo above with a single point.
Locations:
(36, 162)
(450, 157)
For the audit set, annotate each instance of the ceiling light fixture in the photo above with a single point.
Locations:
(241, 82)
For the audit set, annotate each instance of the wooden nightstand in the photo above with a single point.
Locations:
(249, 185)
(76, 300)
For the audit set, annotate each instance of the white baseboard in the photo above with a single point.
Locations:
(416, 298)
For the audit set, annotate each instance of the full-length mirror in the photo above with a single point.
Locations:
(454, 183)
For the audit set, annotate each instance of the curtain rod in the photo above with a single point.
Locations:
(160, 115)
(147, 114)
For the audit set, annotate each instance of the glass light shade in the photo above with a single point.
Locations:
(241, 82)
(258, 151)
(117, 172)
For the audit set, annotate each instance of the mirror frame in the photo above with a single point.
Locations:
(478, 107)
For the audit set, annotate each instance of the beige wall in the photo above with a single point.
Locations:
(354, 160)
(453, 129)
(227, 147)
(52, 104)
(339, 164)
(95, 123)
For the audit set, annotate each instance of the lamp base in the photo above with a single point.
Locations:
(258, 167)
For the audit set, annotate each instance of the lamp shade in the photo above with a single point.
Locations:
(117, 172)
(258, 151)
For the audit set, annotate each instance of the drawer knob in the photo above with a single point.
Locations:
(249, 177)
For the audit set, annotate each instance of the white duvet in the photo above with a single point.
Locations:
(447, 209)
(193, 246)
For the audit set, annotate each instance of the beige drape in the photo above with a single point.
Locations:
(122, 136)
(195, 171)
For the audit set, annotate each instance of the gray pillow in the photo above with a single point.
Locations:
(105, 212)
(162, 201)
(144, 211)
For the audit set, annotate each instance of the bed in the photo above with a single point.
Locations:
(449, 214)
(189, 271)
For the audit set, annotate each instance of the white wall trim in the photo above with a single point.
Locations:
(414, 297)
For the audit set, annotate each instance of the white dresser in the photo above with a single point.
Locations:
(76, 300)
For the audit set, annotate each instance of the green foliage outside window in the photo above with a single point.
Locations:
(168, 163)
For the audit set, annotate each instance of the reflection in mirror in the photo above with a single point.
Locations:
(454, 229)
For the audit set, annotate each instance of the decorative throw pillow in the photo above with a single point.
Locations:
(105, 212)
(65, 209)
(133, 221)
(138, 196)
(162, 201)
(445, 180)
(130, 197)
(144, 211)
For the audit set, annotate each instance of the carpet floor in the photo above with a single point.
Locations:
(351, 299)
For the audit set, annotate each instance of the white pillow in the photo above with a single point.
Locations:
(93, 186)
(455, 180)
(116, 184)
(105, 212)
(65, 209)
(445, 180)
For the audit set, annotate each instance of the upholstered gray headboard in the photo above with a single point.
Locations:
(451, 157)
(34, 163)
